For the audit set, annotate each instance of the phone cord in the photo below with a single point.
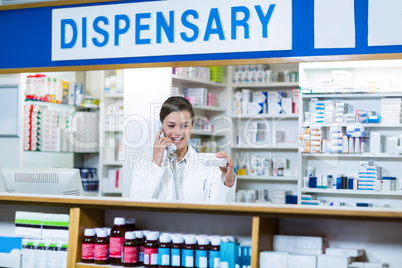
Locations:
(175, 176)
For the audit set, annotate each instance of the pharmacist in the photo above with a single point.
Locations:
(182, 174)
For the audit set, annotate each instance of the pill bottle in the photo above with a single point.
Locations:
(164, 251)
(201, 252)
(214, 256)
(130, 250)
(116, 240)
(101, 248)
(151, 250)
(177, 246)
(87, 247)
(187, 256)
(140, 243)
(130, 225)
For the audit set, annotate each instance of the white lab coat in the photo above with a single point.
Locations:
(198, 183)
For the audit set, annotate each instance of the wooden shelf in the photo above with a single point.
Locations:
(198, 81)
(265, 85)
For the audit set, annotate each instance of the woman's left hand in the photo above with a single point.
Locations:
(227, 171)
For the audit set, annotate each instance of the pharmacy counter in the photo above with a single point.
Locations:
(256, 221)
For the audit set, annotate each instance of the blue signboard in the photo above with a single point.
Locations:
(45, 36)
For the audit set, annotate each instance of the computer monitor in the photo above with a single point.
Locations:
(59, 181)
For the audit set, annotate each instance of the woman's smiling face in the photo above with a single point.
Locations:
(178, 127)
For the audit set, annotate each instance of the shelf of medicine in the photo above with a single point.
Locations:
(269, 178)
(267, 116)
(114, 96)
(295, 148)
(370, 125)
(357, 95)
(351, 192)
(113, 163)
(264, 85)
(198, 81)
(364, 155)
(208, 108)
(207, 133)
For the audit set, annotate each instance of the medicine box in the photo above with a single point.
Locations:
(272, 259)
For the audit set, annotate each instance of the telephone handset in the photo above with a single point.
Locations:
(171, 148)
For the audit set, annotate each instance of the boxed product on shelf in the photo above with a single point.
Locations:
(300, 244)
(28, 224)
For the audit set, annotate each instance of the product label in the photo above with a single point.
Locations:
(201, 258)
(101, 252)
(87, 251)
(164, 256)
(176, 257)
(130, 254)
(187, 258)
(141, 255)
(214, 259)
(151, 256)
(116, 245)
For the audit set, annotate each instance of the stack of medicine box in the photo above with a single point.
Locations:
(339, 112)
(275, 102)
(355, 135)
(86, 126)
(198, 96)
(342, 81)
(31, 127)
(234, 255)
(48, 130)
(337, 134)
(259, 103)
(391, 110)
(317, 109)
(308, 199)
(279, 197)
(369, 177)
(315, 140)
(305, 138)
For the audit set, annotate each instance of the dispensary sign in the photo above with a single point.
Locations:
(171, 28)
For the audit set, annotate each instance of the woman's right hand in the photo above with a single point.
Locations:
(160, 145)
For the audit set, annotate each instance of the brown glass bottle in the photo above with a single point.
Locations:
(151, 250)
(214, 253)
(87, 246)
(188, 252)
(177, 246)
(164, 251)
(201, 252)
(140, 243)
(130, 225)
(116, 240)
(101, 248)
(130, 250)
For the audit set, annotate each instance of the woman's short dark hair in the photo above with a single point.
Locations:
(176, 104)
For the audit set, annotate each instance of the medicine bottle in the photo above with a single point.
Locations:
(187, 256)
(214, 257)
(140, 243)
(151, 250)
(87, 247)
(130, 250)
(164, 251)
(101, 248)
(201, 252)
(130, 225)
(116, 240)
(177, 246)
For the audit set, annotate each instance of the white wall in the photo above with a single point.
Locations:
(145, 90)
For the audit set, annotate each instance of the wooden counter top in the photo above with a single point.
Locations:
(246, 209)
